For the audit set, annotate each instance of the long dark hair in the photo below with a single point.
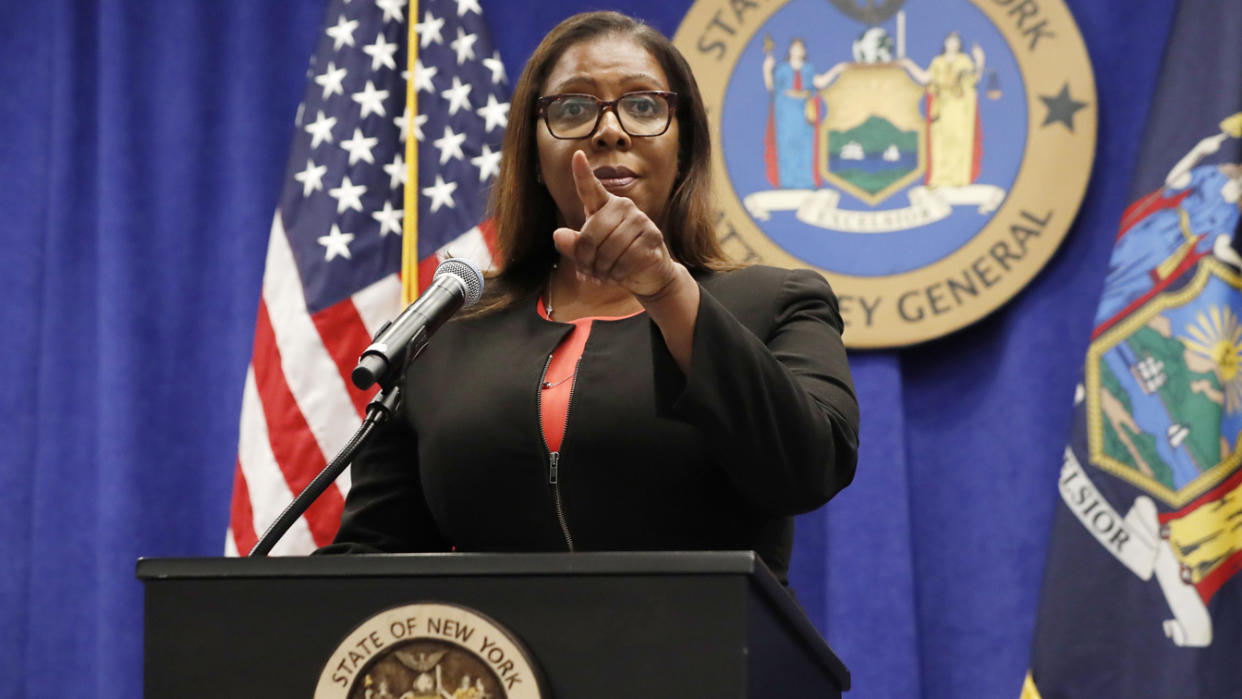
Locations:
(523, 210)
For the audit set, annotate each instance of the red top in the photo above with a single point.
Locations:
(558, 380)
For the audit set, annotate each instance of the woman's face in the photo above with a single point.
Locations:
(642, 169)
(952, 44)
(797, 51)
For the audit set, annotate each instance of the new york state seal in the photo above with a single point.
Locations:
(926, 156)
(430, 650)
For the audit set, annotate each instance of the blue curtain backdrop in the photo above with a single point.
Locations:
(143, 148)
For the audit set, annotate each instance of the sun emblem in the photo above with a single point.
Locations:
(1218, 340)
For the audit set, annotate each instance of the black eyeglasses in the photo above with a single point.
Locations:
(646, 113)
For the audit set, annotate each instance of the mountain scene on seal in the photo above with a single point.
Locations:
(873, 154)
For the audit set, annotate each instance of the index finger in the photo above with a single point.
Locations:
(590, 192)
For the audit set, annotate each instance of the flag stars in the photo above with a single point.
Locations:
(488, 163)
(429, 30)
(381, 53)
(464, 6)
(321, 129)
(359, 147)
(422, 77)
(332, 80)
(392, 10)
(458, 96)
(311, 178)
(372, 100)
(495, 113)
(343, 33)
(389, 219)
(497, 67)
(441, 194)
(464, 46)
(450, 146)
(403, 124)
(396, 171)
(336, 243)
(348, 196)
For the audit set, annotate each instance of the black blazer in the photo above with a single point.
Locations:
(764, 426)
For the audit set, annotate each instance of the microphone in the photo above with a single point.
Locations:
(456, 284)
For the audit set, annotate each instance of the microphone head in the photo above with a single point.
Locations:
(465, 272)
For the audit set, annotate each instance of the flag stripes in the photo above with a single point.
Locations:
(344, 326)
(263, 477)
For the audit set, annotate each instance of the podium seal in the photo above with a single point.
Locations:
(926, 156)
(425, 650)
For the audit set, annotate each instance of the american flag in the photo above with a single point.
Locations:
(341, 230)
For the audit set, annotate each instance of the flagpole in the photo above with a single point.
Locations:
(409, 243)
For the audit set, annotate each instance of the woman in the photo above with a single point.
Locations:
(1166, 232)
(793, 116)
(954, 138)
(621, 386)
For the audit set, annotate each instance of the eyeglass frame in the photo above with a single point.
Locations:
(541, 111)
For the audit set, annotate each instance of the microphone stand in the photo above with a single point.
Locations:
(379, 410)
(414, 325)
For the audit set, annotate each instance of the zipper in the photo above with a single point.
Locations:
(553, 463)
(554, 457)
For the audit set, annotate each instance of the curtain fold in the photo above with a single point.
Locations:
(144, 154)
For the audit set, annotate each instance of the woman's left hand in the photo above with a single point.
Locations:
(617, 242)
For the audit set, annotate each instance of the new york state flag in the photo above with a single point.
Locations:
(1142, 596)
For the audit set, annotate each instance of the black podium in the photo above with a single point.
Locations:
(598, 625)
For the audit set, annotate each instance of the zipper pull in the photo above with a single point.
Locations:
(554, 459)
